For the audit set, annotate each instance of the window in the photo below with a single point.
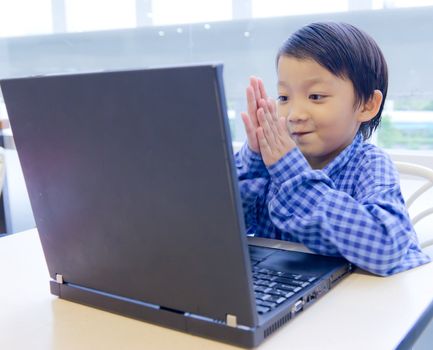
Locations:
(272, 8)
(189, 31)
(168, 12)
(408, 3)
(91, 15)
(25, 17)
(243, 34)
(408, 124)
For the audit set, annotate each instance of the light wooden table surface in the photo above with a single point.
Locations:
(362, 312)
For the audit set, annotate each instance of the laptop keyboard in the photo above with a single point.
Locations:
(274, 287)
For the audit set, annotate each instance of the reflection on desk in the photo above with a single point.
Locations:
(362, 312)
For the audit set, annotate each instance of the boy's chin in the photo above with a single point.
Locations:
(315, 158)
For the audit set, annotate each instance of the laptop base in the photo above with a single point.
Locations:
(195, 324)
(212, 329)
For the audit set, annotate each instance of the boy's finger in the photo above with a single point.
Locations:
(250, 129)
(273, 126)
(272, 108)
(251, 132)
(247, 122)
(262, 89)
(267, 130)
(283, 134)
(268, 115)
(252, 105)
(263, 143)
(255, 85)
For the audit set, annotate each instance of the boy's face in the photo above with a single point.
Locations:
(319, 108)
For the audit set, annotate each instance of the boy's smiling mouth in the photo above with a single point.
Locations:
(299, 133)
(300, 136)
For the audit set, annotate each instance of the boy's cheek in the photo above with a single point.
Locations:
(281, 113)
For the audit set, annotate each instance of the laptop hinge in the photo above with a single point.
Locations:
(59, 278)
(231, 320)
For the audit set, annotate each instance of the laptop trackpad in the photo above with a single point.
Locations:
(294, 262)
(258, 254)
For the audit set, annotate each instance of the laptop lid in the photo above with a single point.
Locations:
(108, 160)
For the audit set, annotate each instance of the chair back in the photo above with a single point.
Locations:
(426, 174)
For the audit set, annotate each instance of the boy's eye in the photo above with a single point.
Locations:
(317, 97)
(282, 98)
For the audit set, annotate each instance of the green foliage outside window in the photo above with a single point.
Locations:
(408, 133)
(391, 135)
(413, 104)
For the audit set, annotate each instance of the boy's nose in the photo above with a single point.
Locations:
(297, 115)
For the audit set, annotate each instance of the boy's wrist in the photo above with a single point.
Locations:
(292, 164)
(251, 153)
(250, 158)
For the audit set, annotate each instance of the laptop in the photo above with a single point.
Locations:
(134, 191)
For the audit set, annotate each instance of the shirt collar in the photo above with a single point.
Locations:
(343, 158)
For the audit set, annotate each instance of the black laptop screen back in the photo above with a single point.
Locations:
(131, 184)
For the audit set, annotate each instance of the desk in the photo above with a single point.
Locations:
(362, 312)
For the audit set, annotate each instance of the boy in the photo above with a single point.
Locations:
(305, 173)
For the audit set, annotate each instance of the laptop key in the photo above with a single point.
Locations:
(262, 289)
(290, 275)
(280, 293)
(292, 282)
(276, 299)
(287, 294)
(266, 297)
(262, 283)
(262, 309)
(263, 276)
(266, 303)
(270, 272)
(288, 287)
(259, 295)
(304, 278)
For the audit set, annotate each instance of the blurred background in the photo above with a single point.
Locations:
(64, 36)
(53, 36)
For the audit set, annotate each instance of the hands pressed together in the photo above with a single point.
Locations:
(267, 133)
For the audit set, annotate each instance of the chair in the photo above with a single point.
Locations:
(418, 171)
(2, 178)
(2, 168)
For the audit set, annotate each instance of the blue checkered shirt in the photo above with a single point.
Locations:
(352, 208)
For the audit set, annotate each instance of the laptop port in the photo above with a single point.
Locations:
(321, 289)
(297, 307)
(311, 298)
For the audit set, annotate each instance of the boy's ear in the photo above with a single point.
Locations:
(370, 108)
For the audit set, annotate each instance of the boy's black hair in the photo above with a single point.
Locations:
(346, 52)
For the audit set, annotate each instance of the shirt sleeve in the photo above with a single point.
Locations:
(370, 227)
(253, 181)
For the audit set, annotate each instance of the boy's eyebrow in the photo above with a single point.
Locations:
(308, 82)
(314, 80)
